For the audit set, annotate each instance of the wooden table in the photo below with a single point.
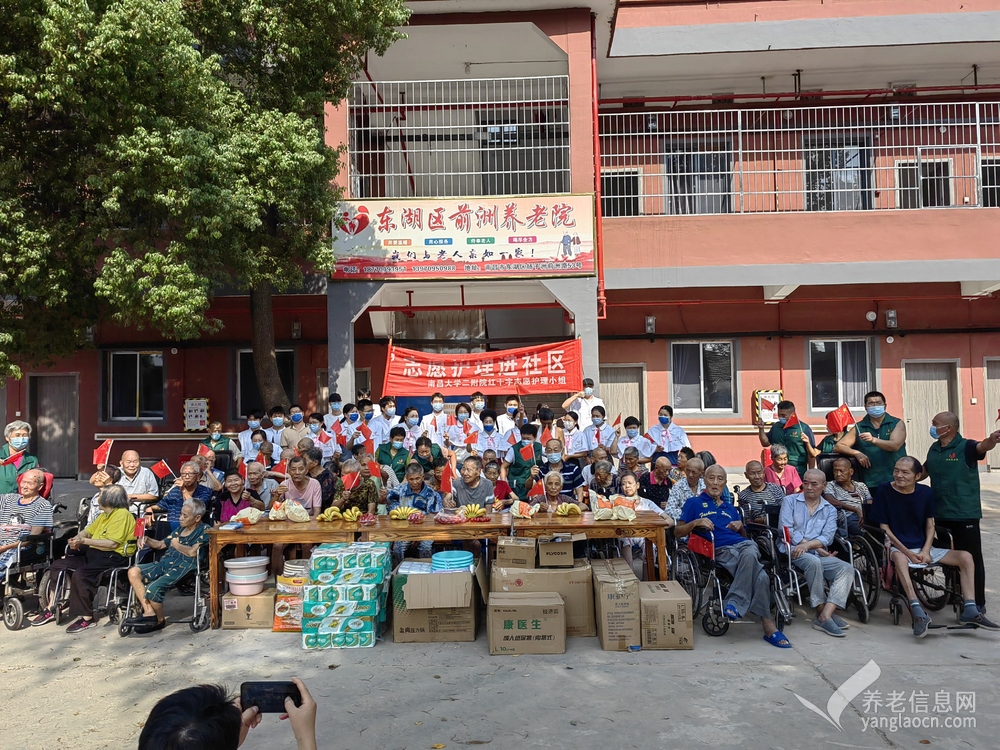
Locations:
(387, 530)
(647, 525)
(269, 532)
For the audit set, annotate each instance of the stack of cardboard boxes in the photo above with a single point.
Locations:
(435, 607)
(344, 603)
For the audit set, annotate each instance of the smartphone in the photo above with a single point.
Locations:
(268, 697)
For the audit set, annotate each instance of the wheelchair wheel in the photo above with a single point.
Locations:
(56, 593)
(864, 614)
(201, 620)
(124, 628)
(715, 622)
(685, 572)
(931, 587)
(866, 563)
(896, 610)
(13, 613)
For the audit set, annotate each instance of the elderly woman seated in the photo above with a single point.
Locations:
(554, 495)
(151, 581)
(103, 545)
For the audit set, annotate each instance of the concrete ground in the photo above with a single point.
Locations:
(94, 690)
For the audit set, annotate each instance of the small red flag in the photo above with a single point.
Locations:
(342, 441)
(472, 439)
(324, 437)
(242, 469)
(351, 480)
(452, 421)
(511, 439)
(792, 421)
(649, 438)
(203, 449)
(161, 470)
(527, 452)
(374, 470)
(446, 477)
(366, 431)
(11, 458)
(618, 420)
(546, 436)
(337, 428)
(102, 453)
(538, 488)
(370, 446)
(281, 467)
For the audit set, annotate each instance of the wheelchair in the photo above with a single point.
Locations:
(25, 580)
(129, 608)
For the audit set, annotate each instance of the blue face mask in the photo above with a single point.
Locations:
(413, 421)
(478, 405)
(875, 411)
(512, 410)
(314, 429)
(462, 417)
(632, 433)
(554, 458)
(336, 406)
(934, 433)
(664, 420)
(598, 421)
(253, 425)
(437, 407)
(397, 444)
(389, 411)
(782, 420)
(215, 436)
(488, 428)
(527, 442)
(369, 415)
(588, 392)
(255, 448)
(353, 416)
(277, 421)
(296, 418)
(19, 443)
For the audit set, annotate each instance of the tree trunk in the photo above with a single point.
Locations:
(265, 363)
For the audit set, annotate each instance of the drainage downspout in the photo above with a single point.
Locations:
(602, 301)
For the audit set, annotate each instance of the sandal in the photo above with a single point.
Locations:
(778, 640)
(731, 612)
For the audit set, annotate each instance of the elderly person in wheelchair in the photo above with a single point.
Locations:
(151, 581)
(905, 512)
(811, 522)
(750, 592)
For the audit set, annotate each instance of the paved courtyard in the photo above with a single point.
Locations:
(94, 690)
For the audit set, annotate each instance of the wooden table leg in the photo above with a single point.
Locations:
(661, 553)
(650, 564)
(213, 580)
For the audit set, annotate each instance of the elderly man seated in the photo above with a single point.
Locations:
(185, 488)
(692, 485)
(750, 592)
(139, 482)
(22, 514)
(415, 494)
(812, 523)
(151, 581)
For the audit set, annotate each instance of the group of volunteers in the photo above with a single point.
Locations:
(371, 457)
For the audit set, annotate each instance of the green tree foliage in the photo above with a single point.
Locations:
(152, 152)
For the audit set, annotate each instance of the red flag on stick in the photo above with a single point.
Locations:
(102, 453)
(618, 420)
(11, 458)
(472, 439)
(527, 452)
(162, 470)
(792, 421)
(546, 436)
(649, 438)
(323, 437)
(374, 470)
(280, 468)
(446, 477)
(337, 428)
(511, 439)
(538, 488)
(351, 480)
(203, 449)
(242, 469)
(366, 431)
(839, 418)
(370, 447)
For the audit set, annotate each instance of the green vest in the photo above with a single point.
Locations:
(520, 470)
(955, 485)
(828, 443)
(10, 472)
(882, 461)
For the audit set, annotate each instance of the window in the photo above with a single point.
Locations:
(247, 389)
(837, 177)
(990, 176)
(620, 193)
(135, 385)
(525, 153)
(699, 178)
(840, 373)
(702, 376)
(933, 188)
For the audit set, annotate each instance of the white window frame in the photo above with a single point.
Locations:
(240, 414)
(917, 162)
(111, 385)
(686, 146)
(627, 171)
(840, 371)
(734, 409)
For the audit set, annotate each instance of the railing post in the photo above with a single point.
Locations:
(979, 161)
(739, 147)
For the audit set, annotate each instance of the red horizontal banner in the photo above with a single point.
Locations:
(550, 368)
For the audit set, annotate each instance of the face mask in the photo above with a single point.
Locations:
(527, 442)
(567, 425)
(664, 420)
(554, 458)
(277, 421)
(462, 417)
(588, 392)
(875, 411)
(934, 433)
(512, 410)
(478, 405)
(782, 420)
(215, 436)
(632, 433)
(253, 425)
(397, 444)
(389, 411)
(413, 421)
(314, 429)
(369, 415)
(19, 443)
(336, 406)
(256, 447)
(296, 418)
(488, 428)
(437, 407)
(353, 416)
(598, 421)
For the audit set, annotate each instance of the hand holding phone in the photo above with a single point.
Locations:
(269, 697)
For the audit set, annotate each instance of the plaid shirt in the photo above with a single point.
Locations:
(426, 500)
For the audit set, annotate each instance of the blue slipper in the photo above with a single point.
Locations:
(731, 612)
(778, 640)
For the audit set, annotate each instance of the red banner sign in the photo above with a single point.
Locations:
(550, 368)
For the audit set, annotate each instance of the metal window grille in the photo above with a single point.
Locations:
(900, 155)
(440, 139)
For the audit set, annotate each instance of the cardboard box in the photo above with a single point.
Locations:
(526, 623)
(248, 611)
(436, 607)
(515, 552)
(616, 597)
(557, 551)
(574, 585)
(665, 616)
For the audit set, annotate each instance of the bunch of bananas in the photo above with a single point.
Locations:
(568, 509)
(473, 511)
(402, 513)
(331, 514)
(352, 514)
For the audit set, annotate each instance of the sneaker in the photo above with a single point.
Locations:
(829, 627)
(43, 619)
(920, 625)
(980, 621)
(81, 625)
(841, 622)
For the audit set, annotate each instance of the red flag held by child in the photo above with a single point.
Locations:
(511, 439)
(337, 428)
(161, 470)
(370, 447)
(102, 453)
(618, 420)
(649, 438)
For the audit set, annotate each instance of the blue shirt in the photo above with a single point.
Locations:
(721, 515)
(426, 500)
(906, 515)
(173, 501)
(801, 525)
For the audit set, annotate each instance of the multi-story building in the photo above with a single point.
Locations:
(789, 194)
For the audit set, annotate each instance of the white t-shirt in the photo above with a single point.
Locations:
(143, 483)
(582, 407)
(671, 437)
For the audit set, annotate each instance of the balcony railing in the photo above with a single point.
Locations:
(440, 139)
(850, 158)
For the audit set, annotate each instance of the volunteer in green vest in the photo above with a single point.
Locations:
(795, 438)
(878, 442)
(17, 434)
(392, 455)
(516, 468)
(952, 465)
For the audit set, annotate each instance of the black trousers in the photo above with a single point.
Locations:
(965, 535)
(86, 572)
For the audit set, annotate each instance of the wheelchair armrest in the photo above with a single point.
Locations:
(31, 538)
(942, 538)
